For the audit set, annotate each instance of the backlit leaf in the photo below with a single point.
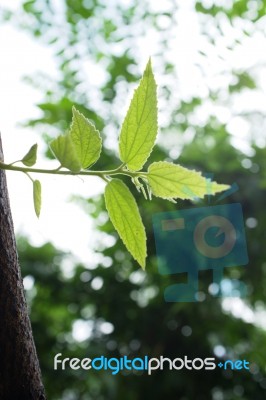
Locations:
(140, 126)
(64, 150)
(37, 197)
(86, 139)
(124, 214)
(170, 181)
(31, 157)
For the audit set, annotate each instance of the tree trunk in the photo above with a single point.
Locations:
(20, 375)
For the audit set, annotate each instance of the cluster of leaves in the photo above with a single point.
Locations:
(239, 8)
(80, 148)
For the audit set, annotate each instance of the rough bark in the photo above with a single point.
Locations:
(20, 376)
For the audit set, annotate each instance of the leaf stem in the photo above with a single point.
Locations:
(15, 162)
(102, 174)
(28, 175)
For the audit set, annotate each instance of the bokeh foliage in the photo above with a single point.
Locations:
(99, 37)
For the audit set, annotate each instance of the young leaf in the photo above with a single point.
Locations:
(31, 157)
(140, 126)
(64, 150)
(37, 197)
(124, 214)
(169, 181)
(86, 139)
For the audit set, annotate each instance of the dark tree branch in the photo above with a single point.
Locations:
(20, 375)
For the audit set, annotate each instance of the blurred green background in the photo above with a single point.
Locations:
(218, 126)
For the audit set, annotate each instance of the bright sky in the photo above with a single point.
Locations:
(61, 220)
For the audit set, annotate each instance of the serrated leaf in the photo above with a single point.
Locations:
(37, 197)
(64, 150)
(124, 214)
(31, 157)
(86, 139)
(139, 129)
(170, 181)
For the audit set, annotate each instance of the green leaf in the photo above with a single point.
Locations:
(86, 139)
(124, 214)
(64, 150)
(139, 129)
(31, 157)
(169, 181)
(37, 197)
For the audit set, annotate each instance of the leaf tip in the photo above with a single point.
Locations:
(142, 263)
(148, 68)
(218, 187)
